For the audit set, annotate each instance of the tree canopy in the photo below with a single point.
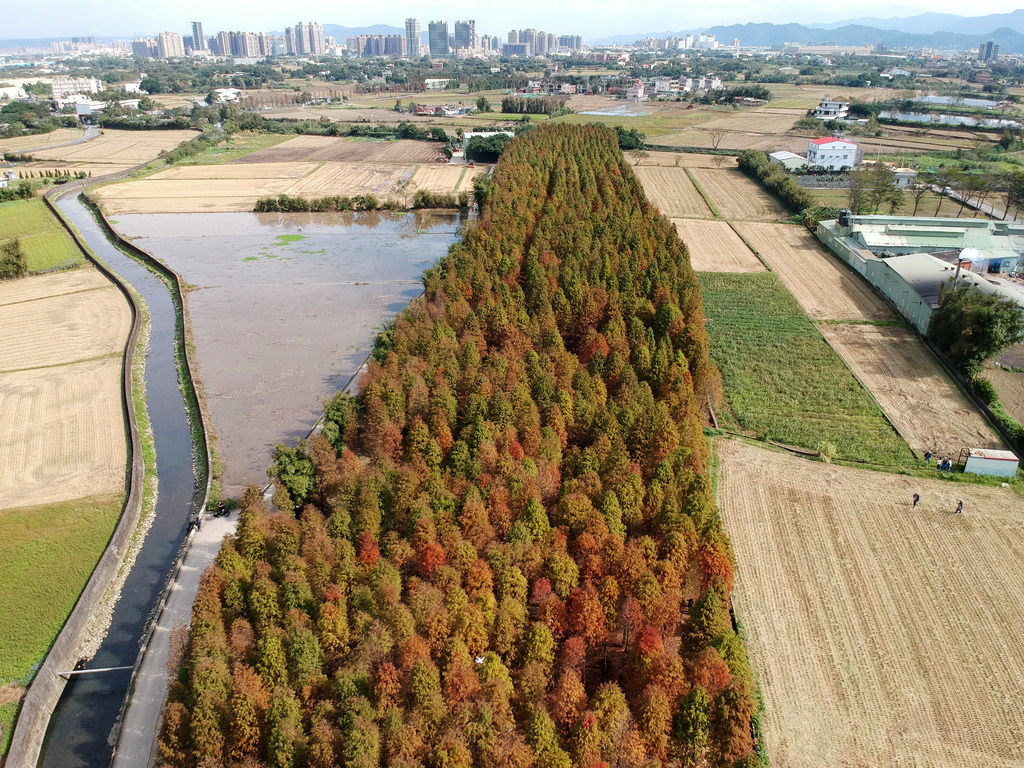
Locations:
(506, 529)
(971, 327)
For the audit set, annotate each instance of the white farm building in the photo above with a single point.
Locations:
(834, 154)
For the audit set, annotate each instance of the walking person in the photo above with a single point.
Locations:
(959, 508)
(917, 498)
(199, 523)
(927, 457)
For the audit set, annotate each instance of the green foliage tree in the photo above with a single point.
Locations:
(971, 327)
(294, 470)
(12, 260)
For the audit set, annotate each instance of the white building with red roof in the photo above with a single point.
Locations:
(834, 153)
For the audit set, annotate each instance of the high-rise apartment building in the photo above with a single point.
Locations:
(465, 34)
(305, 39)
(198, 41)
(513, 37)
(413, 33)
(169, 45)
(437, 32)
(144, 47)
(987, 51)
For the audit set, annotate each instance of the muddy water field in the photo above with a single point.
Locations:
(283, 310)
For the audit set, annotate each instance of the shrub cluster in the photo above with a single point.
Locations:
(793, 197)
(505, 551)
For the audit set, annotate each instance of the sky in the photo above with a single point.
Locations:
(590, 18)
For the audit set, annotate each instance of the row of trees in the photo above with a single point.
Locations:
(505, 551)
(756, 165)
(520, 105)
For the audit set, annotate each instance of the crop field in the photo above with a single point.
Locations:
(119, 147)
(782, 380)
(47, 553)
(315, 149)
(235, 146)
(59, 136)
(671, 190)
(826, 289)
(235, 186)
(61, 422)
(881, 635)
(737, 197)
(44, 241)
(1010, 388)
(715, 247)
(922, 402)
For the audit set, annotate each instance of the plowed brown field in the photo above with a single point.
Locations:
(920, 400)
(41, 140)
(672, 191)
(737, 197)
(825, 289)
(61, 422)
(881, 635)
(313, 149)
(684, 160)
(714, 247)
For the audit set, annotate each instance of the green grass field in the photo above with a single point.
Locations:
(782, 380)
(45, 242)
(236, 146)
(46, 555)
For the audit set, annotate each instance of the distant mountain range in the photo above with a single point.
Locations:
(929, 30)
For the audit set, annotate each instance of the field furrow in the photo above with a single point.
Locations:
(737, 197)
(881, 634)
(671, 190)
(715, 247)
(925, 406)
(825, 289)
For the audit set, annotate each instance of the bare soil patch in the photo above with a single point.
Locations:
(672, 191)
(715, 247)
(737, 197)
(1010, 388)
(924, 405)
(685, 160)
(825, 289)
(881, 634)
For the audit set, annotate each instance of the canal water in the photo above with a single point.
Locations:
(87, 711)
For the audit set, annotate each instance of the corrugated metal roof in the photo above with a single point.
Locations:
(991, 453)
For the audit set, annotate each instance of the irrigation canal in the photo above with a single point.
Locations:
(88, 710)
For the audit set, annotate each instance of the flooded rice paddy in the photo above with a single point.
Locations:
(284, 308)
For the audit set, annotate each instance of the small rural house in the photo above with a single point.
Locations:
(834, 154)
(791, 161)
(986, 461)
(832, 110)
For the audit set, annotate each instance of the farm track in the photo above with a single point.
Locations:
(881, 635)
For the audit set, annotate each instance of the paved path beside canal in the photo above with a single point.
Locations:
(139, 731)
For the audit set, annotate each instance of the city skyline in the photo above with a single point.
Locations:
(591, 19)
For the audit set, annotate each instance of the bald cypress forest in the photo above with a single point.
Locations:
(505, 550)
